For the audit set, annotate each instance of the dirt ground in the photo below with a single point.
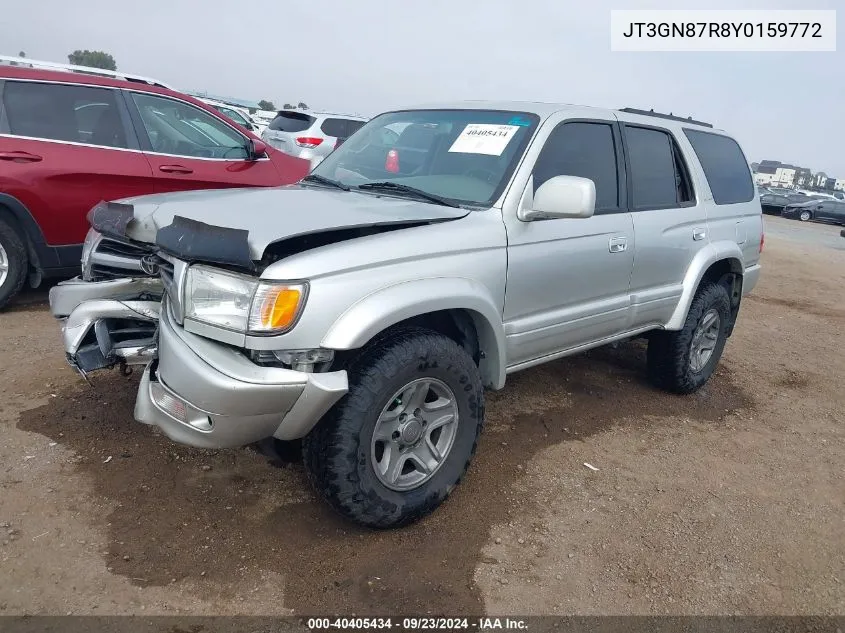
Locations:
(729, 501)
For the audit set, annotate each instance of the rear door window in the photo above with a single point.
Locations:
(291, 122)
(659, 176)
(724, 165)
(62, 112)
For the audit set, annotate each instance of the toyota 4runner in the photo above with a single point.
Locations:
(366, 309)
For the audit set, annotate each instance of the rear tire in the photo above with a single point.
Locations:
(14, 263)
(678, 361)
(358, 455)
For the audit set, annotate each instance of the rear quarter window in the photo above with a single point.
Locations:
(334, 127)
(724, 166)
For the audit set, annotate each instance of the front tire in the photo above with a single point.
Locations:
(805, 216)
(13, 263)
(397, 444)
(682, 362)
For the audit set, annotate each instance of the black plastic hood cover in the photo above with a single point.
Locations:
(111, 218)
(195, 241)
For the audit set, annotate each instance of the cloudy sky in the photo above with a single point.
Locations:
(372, 55)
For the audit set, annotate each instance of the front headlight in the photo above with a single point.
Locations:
(91, 240)
(240, 302)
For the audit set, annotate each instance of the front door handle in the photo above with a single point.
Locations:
(618, 244)
(699, 233)
(20, 157)
(175, 169)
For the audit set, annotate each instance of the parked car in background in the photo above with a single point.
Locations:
(264, 117)
(310, 135)
(819, 210)
(69, 139)
(236, 114)
(816, 195)
(784, 191)
(773, 203)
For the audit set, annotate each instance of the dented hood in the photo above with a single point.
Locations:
(267, 215)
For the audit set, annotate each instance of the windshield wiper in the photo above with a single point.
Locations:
(325, 181)
(396, 187)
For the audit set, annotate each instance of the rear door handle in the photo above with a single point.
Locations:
(699, 234)
(20, 157)
(175, 169)
(618, 244)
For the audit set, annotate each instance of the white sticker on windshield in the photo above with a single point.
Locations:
(484, 138)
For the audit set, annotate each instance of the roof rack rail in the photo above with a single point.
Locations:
(660, 115)
(86, 70)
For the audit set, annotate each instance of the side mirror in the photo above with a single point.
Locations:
(255, 149)
(561, 197)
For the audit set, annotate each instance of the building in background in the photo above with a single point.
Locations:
(819, 179)
(773, 173)
(803, 177)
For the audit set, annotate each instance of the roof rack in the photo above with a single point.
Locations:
(660, 115)
(86, 70)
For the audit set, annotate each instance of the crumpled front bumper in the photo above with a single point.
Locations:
(66, 296)
(197, 391)
(206, 394)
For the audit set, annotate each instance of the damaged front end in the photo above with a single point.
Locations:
(103, 333)
(110, 315)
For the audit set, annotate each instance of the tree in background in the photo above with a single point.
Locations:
(287, 106)
(302, 106)
(266, 105)
(94, 59)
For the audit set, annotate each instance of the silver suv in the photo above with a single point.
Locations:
(366, 309)
(310, 135)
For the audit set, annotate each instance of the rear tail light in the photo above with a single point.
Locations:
(308, 141)
(762, 241)
(391, 163)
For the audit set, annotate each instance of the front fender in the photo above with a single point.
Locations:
(706, 257)
(393, 304)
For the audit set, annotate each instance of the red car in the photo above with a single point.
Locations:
(69, 140)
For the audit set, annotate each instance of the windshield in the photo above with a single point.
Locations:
(464, 155)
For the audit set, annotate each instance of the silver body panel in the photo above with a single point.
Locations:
(535, 291)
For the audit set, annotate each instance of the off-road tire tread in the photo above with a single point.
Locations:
(332, 445)
(668, 352)
(18, 263)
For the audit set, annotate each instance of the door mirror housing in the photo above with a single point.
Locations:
(561, 197)
(255, 149)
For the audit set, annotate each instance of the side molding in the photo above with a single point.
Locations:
(389, 306)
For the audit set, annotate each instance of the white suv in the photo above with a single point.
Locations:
(310, 135)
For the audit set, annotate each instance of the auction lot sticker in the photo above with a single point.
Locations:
(484, 138)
